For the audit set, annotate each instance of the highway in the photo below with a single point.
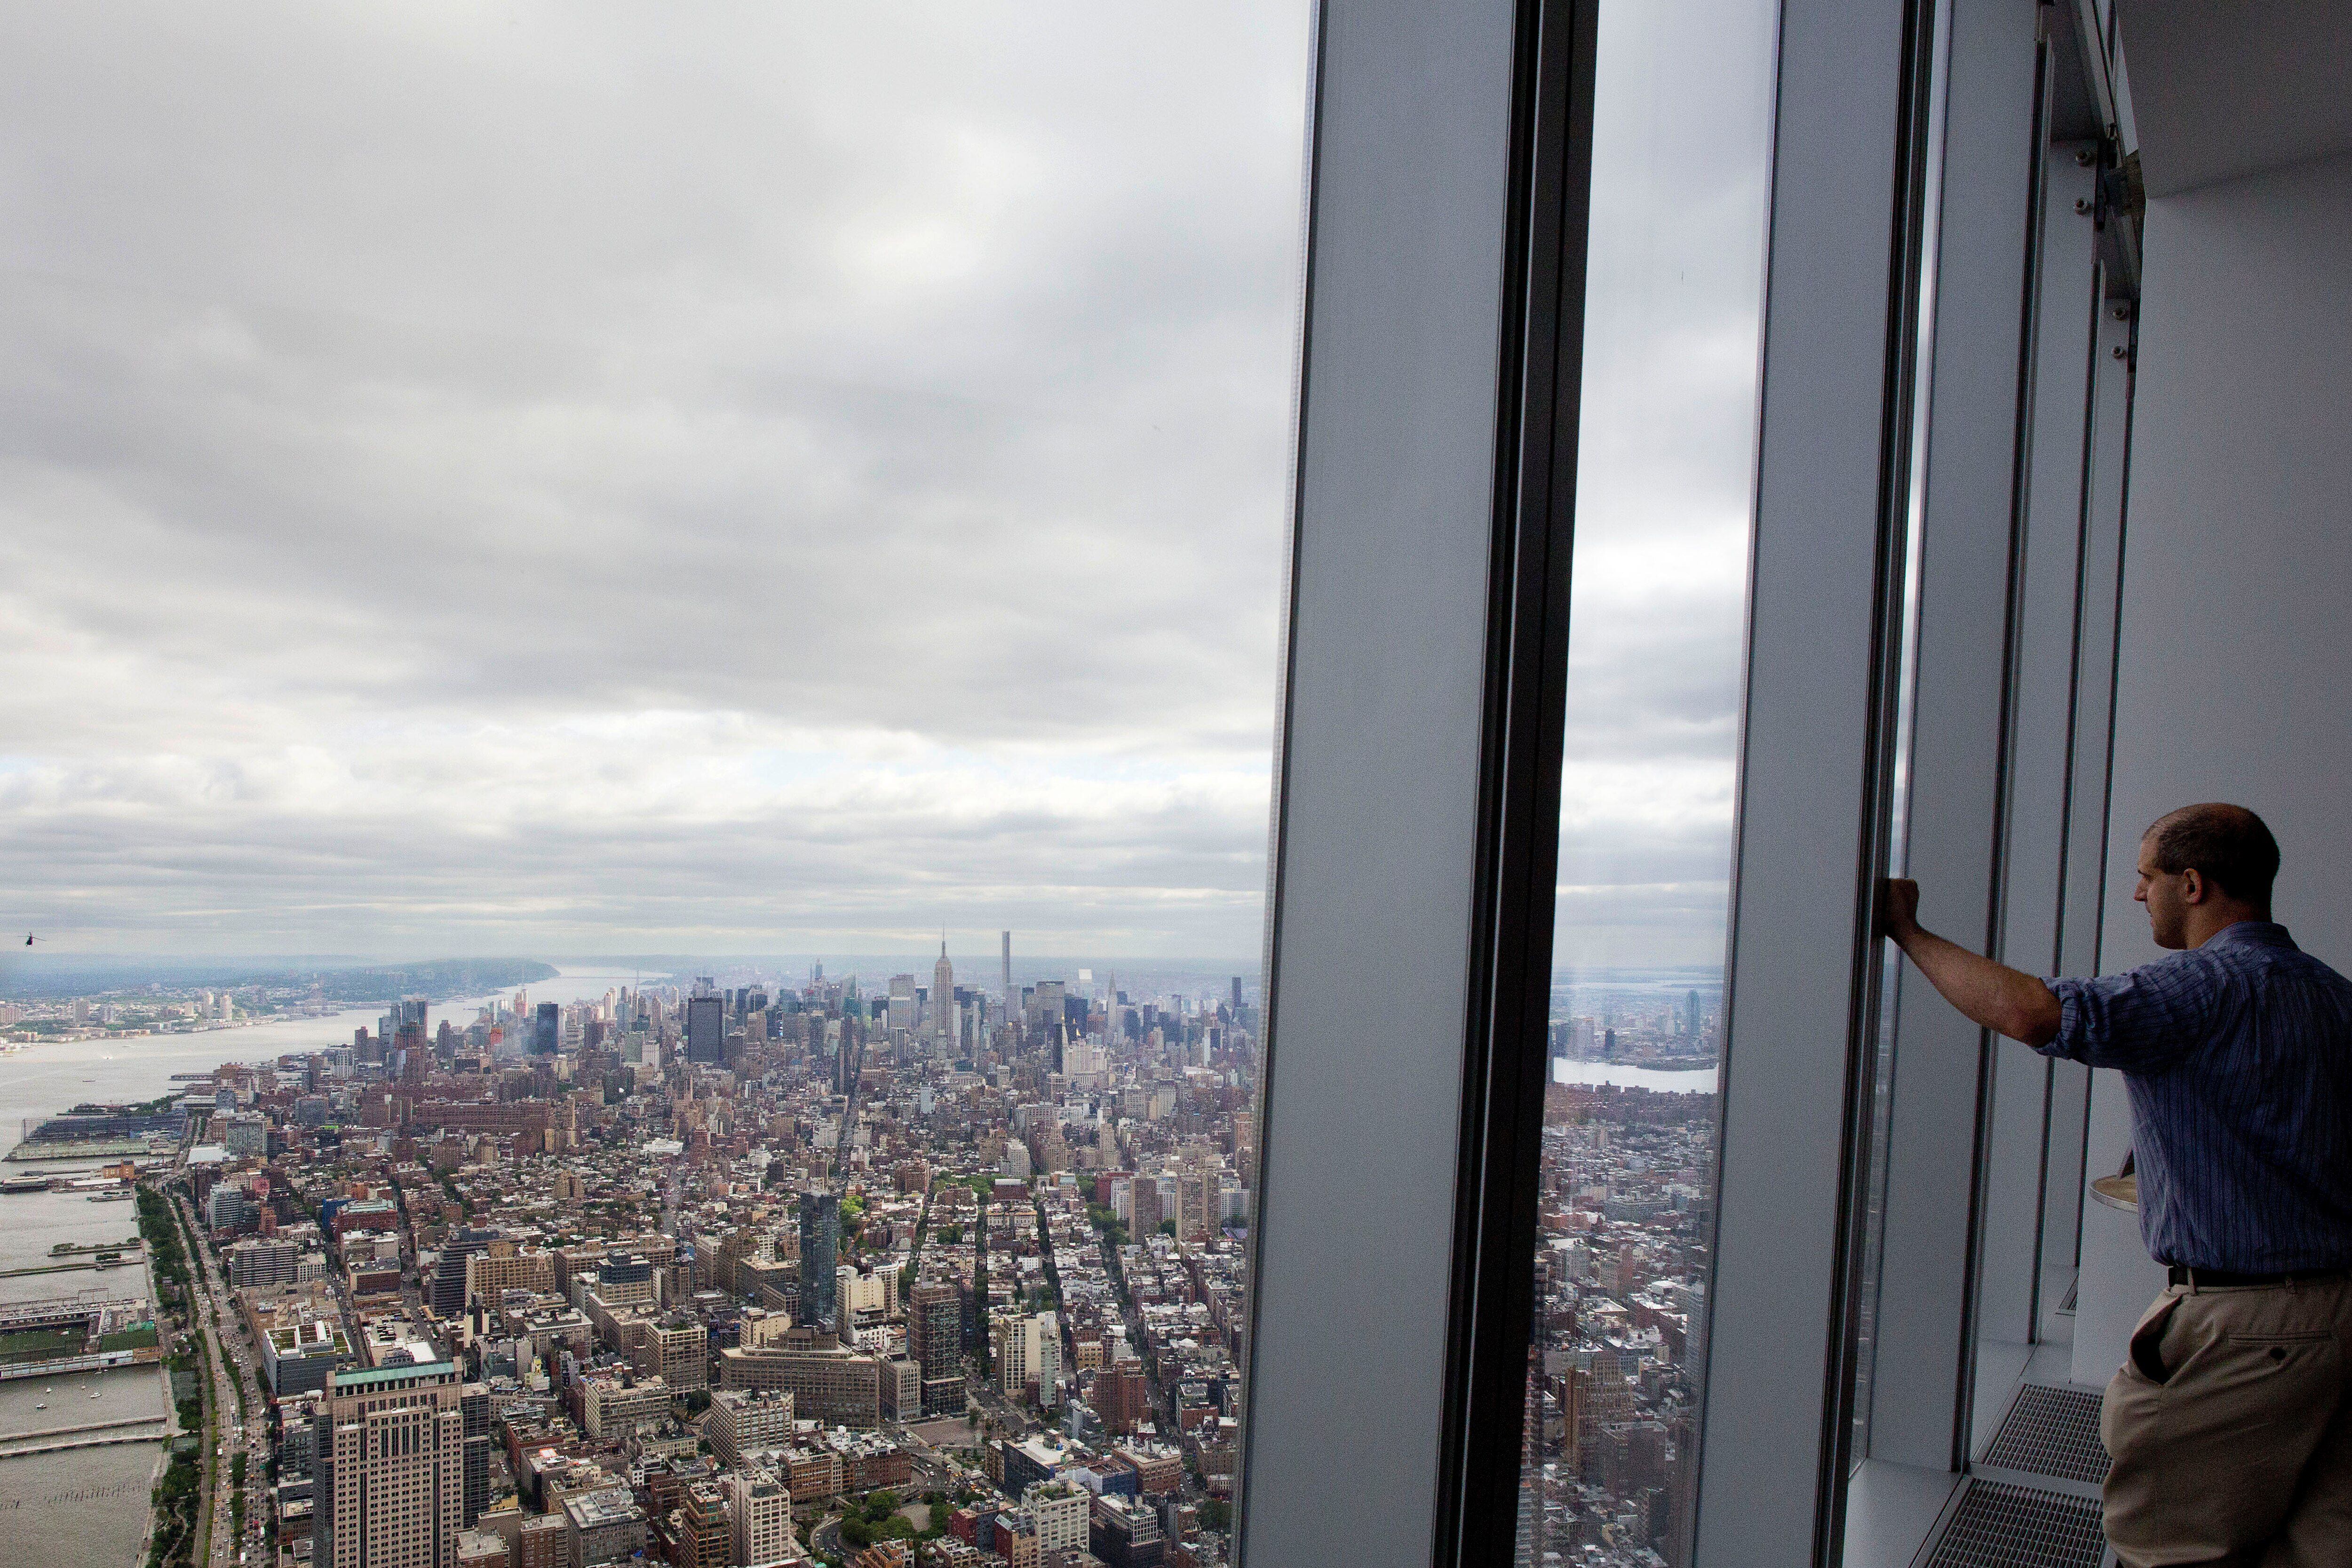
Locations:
(219, 1327)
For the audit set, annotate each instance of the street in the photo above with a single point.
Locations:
(236, 1427)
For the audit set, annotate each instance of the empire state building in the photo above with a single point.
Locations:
(943, 1003)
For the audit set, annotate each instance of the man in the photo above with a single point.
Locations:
(2231, 1420)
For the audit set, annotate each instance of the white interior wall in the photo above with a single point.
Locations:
(2235, 666)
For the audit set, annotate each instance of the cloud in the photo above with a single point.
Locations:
(1664, 457)
(502, 474)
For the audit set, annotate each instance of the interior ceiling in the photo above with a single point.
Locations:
(2224, 89)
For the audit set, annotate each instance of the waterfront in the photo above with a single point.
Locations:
(44, 1080)
(91, 1505)
(1687, 1080)
(33, 1222)
(94, 1497)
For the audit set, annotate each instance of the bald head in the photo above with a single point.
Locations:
(2227, 846)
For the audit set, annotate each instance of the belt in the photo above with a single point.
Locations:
(2221, 1278)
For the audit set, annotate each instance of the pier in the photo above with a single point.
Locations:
(59, 1337)
(157, 1436)
(76, 1431)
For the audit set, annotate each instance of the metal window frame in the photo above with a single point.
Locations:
(1507, 1058)
(1416, 799)
(2013, 705)
(1840, 313)
(1418, 771)
(1943, 1149)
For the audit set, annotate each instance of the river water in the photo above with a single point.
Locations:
(89, 1505)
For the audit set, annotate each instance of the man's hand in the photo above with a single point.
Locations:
(1991, 994)
(1898, 908)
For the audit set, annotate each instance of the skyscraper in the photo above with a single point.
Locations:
(935, 1340)
(388, 1471)
(820, 1247)
(547, 1030)
(410, 1050)
(1012, 1002)
(943, 1006)
(474, 1406)
(706, 1024)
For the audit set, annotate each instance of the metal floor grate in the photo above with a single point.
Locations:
(2052, 1432)
(1998, 1526)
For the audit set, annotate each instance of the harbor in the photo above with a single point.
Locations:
(85, 1403)
(83, 1335)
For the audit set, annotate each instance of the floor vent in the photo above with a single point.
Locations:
(2052, 1432)
(2071, 1286)
(1998, 1526)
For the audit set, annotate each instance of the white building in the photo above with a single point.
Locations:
(747, 1420)
(1028, 1350)
(1059, 1510)
(760, 1517)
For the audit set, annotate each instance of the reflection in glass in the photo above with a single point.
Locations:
(1657, 613)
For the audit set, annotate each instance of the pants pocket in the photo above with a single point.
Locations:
(2148, 1344)
(2284, 1351)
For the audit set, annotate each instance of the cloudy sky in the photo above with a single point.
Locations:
(486, 478)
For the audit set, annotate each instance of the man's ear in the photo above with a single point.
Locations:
(2193, 886)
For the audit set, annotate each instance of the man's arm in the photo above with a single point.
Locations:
(1993, 996)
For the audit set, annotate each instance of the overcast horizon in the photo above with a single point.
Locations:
(491, 479)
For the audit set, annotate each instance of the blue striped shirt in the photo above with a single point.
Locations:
(2238, 1057)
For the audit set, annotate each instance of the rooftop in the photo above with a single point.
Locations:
(394, 1377)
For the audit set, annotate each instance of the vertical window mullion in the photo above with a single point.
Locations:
(1505, 1060)
(1832, 484)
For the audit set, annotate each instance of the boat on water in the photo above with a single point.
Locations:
(25, 1184)
(110, 1197)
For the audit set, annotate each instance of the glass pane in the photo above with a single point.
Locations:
(636, 651)
(1658, 616)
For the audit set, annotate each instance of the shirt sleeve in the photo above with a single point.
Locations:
(2143, 1020)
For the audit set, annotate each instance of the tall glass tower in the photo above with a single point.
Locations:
(820, 1244)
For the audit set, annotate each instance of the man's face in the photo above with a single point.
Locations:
(2165, 895)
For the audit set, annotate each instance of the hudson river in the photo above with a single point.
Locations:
(91, 1505)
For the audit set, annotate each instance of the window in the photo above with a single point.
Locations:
(1657, 604)
(628, 618)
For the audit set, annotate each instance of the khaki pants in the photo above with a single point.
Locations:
(2232, 1429)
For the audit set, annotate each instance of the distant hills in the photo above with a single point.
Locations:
(338, 980)
(440, 980)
